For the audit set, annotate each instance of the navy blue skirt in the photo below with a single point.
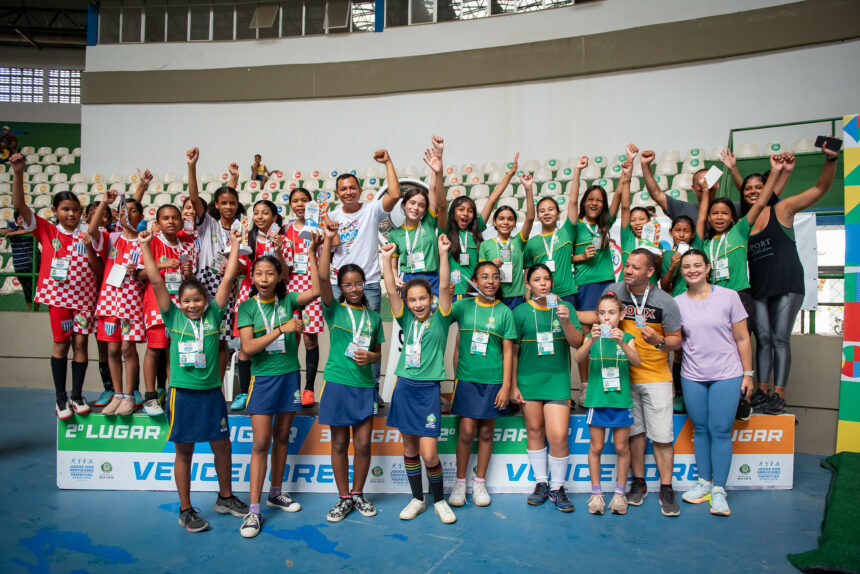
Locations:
(345, 406)
(197, 415)
(415, 407)
(273, 394)
(609, 417)
(476, 400)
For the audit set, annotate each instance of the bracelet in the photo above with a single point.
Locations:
(749, 373)
(833, 159)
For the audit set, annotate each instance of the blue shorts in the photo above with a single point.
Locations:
(609, 417)
(197, 415)
(589, 294)
(273, 394)
(345, 406)
(514, 302)
(475, 400)
(415, 407)
(431, 277)
(571, 299)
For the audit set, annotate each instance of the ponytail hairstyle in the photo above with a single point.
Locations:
(192, 284)
(709, 231)
(602, 217)
(213, 208)
(254, 232)
(453, 231)
(280, 287)
(614, 298)
(64, 196)
(498, 295)
(505, 208)
(350, 268)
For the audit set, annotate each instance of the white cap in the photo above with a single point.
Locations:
(6, 127)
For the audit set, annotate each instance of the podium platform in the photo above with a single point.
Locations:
(96, 452)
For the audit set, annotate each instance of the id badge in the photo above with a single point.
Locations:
(218, 262)
(640, 321)
(606, 330)
(545, 344)
(300, 261)
(611, 378)
(504, 253)
(116, 275)
(683, 248)
(60, 268)
(199, 361)
(417, 262)
(362, 342)
(721, 263)
(188, 347)
(479, 343)
(551, 264)
(276, 346)
(596, 241)
(722, 274)
(455, 276)
(464, 259)
(187, 359)
(649, 233)
(507, 272)
(413, 356)
(172, 279)
(552, 300)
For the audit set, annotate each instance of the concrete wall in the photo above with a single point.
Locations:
(54, 59)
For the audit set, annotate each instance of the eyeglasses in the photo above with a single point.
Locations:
(352, 286)
(485, 277)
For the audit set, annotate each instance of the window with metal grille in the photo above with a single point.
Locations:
(64, 86)
(21, 85)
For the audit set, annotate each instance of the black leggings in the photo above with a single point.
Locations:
(773, 321)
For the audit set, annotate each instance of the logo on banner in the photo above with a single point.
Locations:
(768, 470)
(81, 468)
(106, 467)
(377, 471)
(398, 475)
(744, 469)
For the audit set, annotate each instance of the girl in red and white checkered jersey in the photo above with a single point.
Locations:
(68, 284)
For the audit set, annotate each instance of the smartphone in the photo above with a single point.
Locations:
(833, 144)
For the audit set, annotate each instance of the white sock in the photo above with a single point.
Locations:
(557, 470)
(537, 458)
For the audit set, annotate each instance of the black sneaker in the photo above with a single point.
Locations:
(638, 492)
(362, 505)
(343, 507)
(744, 410)
(669, 506)
(758, 399)
(192, 521)
(562, 502)
(231, 505)
(540, 494)
(775, 405)
(379, 402)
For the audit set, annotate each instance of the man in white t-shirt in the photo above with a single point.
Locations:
(358, 226)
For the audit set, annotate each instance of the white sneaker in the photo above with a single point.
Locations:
(413, 509)
(480, 496)
(444, 512)
(251, 525)
(152, 408)
(699, 493)
(64, 411)
(458, 494)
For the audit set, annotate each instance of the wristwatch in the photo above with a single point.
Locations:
(661, 345)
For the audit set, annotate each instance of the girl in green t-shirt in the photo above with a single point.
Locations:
(196, 408)
(608, 398)
(269, 334)
(638, 228)
(546, 329)
(415, 405)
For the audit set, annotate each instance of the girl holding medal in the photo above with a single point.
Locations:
(264, 238)
(608, 398)
(67, 283)
(196, 408)
(266, 328)
(415, 405)
(546, 330)
(506, 252)
(638, 229)
(483, 380)
(348, 396)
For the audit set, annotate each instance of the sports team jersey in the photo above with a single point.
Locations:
(180, 330)
(560, 244)
(431, 340)
(162, 251)
(679, 284)
(417, 240)
(465, 271)
(730, 248)
(543, 376)
(606, 353)
(125, 301)
(492, 322)
(295, 254)
(263, 247)
(340, 368)
(629, 242)
(496, 248)
(273, 361)
(79, 290)
(598, 268)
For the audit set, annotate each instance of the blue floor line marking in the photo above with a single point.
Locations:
(46, 542)
(311, 536)
(398, 537)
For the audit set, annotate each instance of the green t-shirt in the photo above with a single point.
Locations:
(467, 241)
(561, 241)
(433, 340)
(492, 248)
(497, 322)
(629, 242)
(734, 249)
(607, 353)
(598, 268)
(267, 363)
(342, 369)
(543, 377)
(180, 329)
(419, 240)
(679, 284)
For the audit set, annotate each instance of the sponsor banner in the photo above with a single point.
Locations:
(132, 453)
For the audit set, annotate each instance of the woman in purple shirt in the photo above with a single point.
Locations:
(717, 368)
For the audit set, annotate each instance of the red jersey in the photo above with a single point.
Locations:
(126, 300)
(162, 251)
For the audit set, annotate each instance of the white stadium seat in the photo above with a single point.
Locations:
(682, 181)
(205, 177)
(169, 177)
(453, 179)
(542, 175)
(97, 178)
(693, 165)
(80, 189)
(114, 178)
(245, 198)
(39, 178)
(368, 195)
(67, 159)
(34, 168)
(695, 153)
(253, 185)
(803, 146)
(776, 147)
(76, 152)
(50, 159)
(61, 151)
(78, 178)
(480, 191)
(411, 171)
(28, 150)
(551, 188)
(716, 151)
(606, 184)
(44, 151)
(59, 178)
(564, 174)
(455, 191)
(667, 167)
(495, 177)
(592, 171)
(60, 187)
(175, 187)
(747, 150)
(670, 155)
(531, 165)
(490, 167)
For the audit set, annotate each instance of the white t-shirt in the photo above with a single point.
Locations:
(212, 238)
(359, 238)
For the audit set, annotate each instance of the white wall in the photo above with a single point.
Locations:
(675, 107)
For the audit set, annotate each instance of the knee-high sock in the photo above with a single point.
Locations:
(104, 371)
(79, 372)
(412, 464)
(59, 368)
(537, 458)
(312, 361)
(558, 471)
(434, 477)
(160, 371)
(244, 368)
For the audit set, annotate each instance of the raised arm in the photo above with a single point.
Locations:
(704, 206)
(731, 163)
(526, 229)
(329, 233)
(624, 191)
(191, 156)
(225, 289)
(390, 286)
(444, 273)
(776, 167)
(573, 200)
(646, 159)
(500, 189)
(393, 196)
(308, 295)
(18, 200)
(787, 208)
(233, 168)
(162, 297)
(438, 181)
(96, 219)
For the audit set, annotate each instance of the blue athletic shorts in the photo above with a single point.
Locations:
(475, 400)
(345, 406)
(609, 417)
(273, 394)
(588, 296)
(432, 278)
(514, 302)
(197, 415)
(415, 407)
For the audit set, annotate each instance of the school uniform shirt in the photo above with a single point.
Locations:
(599, 268)
(126, 301)
(494, 319)
(79, 291)
(432, 341)
(300, 279)
(358, 239)
(629, 242)
(607, 353)
(467, 245)
(731, 247)
(679, 284)
(493, 248)
(274, 312)
(180, 330)
(543, 377)
(560, 243)
(420, 239)
(213, 239)
(162, 251)
(342, 369)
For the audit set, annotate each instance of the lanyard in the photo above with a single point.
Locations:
(356, 333)
(198, 334)
(464, 241)
(595, 231)
(719, 246)
(499, 246)
(269, 327)
(410, 247)
(417, 334)
(551, 315)
(548, 248)
(640, 310)
(602, 353)
(475, 318)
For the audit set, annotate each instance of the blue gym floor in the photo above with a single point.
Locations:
(52, 530)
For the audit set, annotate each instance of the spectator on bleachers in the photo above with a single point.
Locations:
(22, 256)
(259, 171)
(5, 151)
(9, 138)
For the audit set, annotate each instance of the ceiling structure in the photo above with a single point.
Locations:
(44, 23)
